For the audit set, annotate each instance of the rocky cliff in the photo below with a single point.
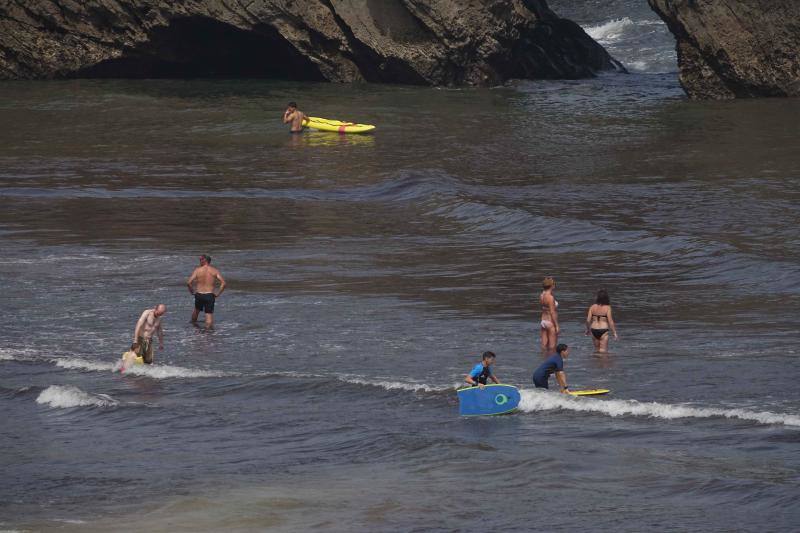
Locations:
(439, 42)
(735, 48)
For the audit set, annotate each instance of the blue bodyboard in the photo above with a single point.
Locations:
(491, 400)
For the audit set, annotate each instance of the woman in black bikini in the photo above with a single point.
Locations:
(599, 321)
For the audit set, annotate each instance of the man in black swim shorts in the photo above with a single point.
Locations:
(204, 302)
(201, 284)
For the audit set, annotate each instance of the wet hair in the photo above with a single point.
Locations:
(488, 355)
(292, 104)
(207, 258)
(548, 283)
(602, 297)
(135, 346)
(560, 348)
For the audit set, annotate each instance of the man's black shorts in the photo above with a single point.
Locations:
(204, 302)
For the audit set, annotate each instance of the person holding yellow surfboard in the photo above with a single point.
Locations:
(553, 365)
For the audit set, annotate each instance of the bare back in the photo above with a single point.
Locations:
(599, 315)
(205, 278)
(297, 118)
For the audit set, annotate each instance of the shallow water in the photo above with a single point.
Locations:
(365, 275)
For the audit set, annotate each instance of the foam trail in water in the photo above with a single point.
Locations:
(15, 354)
(391, 385)
(546, 401)
(153, 371)
(65, 396)
(168, 371)
(82, 364)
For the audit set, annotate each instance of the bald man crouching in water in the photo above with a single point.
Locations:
(201, 285)
(149, 323)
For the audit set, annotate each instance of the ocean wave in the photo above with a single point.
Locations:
(66, 396)
(392, 385)
(533, 401)
(53, 259)
(153, 371)
(643, 45)
(610, 31)
(169, 371)
(82, 364)
(16, 354)
(703, 261)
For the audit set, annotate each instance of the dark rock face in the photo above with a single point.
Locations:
(735, 48)
(439, 42)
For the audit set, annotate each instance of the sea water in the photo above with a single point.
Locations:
(365, 277)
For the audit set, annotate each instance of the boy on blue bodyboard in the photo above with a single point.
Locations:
(482, 372)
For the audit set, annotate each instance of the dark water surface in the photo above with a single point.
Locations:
(365, 275)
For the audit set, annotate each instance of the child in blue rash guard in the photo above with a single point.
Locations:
(553, 365)
(482, 372)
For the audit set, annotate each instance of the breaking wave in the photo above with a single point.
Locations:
(392, 385)
(544, 401)
(153, 371)
(66, 396)
(642, 45)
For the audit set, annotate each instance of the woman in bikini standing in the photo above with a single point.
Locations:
(549, 323)
(599, 321)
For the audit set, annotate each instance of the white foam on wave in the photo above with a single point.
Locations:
(66, 396)
(390, 385)
(610, 31)
(643, 45)
(15, 354)
(533, 400)
(154, 371)
(54, 258)
(83, 364)
(169, 371)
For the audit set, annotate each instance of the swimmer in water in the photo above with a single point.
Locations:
(553, 365)
(549, 321)
(482, 372)
(599, 322)
(295, 117)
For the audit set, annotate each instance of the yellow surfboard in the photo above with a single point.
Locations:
(325, 124)
(138, 360)
(589, 392)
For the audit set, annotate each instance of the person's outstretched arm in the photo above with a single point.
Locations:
(160, 331)
(561, 377)
(588, 320)
(221, 283)
(191, 280)
(611, 324)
